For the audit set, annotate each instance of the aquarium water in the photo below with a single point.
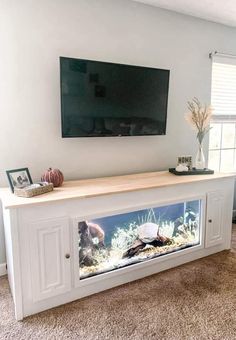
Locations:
(112, 242)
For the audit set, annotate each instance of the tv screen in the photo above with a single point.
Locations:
(107, 99)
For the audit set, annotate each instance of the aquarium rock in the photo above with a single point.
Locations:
(87, 248)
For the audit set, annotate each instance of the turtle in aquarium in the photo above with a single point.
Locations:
(148, 233)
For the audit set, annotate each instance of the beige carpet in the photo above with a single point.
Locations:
(194, 301)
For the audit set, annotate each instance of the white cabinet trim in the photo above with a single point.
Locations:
(214, 218)
(41, 256)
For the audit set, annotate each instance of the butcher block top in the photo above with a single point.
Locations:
(105, 186)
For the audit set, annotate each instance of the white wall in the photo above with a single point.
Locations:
(34, 34)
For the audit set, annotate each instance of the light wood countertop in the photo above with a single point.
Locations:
(105, 186)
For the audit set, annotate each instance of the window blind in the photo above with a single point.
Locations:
(222, 141)
(223, 96)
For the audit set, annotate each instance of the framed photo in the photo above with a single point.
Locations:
(19, 178)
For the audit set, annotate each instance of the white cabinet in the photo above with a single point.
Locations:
(50, 258)
(42, 236)
(214, 218)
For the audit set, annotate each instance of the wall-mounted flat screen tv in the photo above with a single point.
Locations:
(108, 99)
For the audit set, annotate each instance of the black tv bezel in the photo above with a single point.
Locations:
(107, 62)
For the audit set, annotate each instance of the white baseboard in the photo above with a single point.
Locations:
(3, 270)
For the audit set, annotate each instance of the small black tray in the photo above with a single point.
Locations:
(192, 172)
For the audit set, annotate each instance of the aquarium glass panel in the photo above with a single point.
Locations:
(117, 241)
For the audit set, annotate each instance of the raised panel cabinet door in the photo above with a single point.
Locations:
(50, 258)
(214, 218)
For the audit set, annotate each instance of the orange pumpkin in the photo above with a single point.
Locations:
(54, 176)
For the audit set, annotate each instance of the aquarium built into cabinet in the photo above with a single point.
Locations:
(113, 242)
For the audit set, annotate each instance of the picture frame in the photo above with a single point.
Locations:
(185, 160)
(19, 178)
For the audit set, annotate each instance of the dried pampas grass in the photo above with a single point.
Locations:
(199, 118)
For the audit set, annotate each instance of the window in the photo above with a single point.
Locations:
(222, 142)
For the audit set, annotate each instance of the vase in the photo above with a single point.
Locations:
(200, 162)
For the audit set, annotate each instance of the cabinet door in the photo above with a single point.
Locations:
(214, 218)
(50, 258)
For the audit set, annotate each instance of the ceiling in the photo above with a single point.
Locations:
(220, 11)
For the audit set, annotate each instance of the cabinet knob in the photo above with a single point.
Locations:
(67, 256)
(210, 220)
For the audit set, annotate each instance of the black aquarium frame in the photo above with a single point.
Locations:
(106, 62)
